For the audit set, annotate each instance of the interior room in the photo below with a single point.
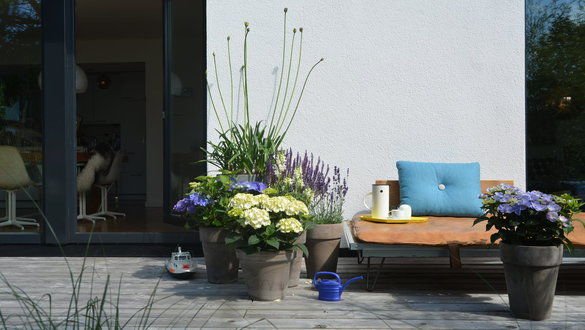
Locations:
(125, 125)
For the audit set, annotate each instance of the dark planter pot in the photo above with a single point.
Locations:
(297, 263)
(323, 245)
(531, 278)
(266, 273)
(220, 260)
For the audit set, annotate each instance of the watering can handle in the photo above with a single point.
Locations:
(326, 273)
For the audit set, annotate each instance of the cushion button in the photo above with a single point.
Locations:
(441, 186)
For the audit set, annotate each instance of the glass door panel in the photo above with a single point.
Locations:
(21, 129)
(185, 126)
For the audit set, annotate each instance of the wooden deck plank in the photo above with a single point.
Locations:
(410, 295)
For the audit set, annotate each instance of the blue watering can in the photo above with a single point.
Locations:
(331, 290)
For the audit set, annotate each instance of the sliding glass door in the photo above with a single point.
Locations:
(185, 98)
(109, 130)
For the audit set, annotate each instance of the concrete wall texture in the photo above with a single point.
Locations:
(421, 80)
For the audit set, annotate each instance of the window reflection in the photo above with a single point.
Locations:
(20, 115)
(555, 104)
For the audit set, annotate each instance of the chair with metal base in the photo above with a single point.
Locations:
(13, 177)
(85, 180)
(106, 182)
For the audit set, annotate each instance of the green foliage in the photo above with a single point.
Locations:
(219, 190)
(247, 147)
(244, 149)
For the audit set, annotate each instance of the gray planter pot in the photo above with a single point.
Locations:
(220, 260)
(531, 278)
(323, 245)
(266, 273)
(297, 263)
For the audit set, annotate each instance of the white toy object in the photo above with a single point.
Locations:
(180, 265)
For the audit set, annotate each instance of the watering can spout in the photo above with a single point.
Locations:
(350, 281)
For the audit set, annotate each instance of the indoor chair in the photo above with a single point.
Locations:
(13, 177)
(105, 182)
(85, 180)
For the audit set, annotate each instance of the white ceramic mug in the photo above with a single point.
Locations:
(380, 200)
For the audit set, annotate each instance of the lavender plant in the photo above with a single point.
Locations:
(311, 181)
(247, 147)
(528, 218)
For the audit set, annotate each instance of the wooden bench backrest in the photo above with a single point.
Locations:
(395, 188)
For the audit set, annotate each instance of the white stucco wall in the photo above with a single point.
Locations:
(421, 80)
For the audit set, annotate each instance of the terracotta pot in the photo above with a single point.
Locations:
(221, 262)
(323, 245)
(531, 278)
(297, 263)
(266, 273)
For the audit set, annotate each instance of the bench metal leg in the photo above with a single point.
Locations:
(360, 257)
(369, 274)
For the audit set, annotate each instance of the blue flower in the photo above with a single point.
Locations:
(552, 216)
(190, 203)
(505, 208)
(249, 186)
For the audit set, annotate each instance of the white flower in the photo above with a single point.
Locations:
(296, 208)
(243, 201)
(289, 225)
(277, 204)
(256, 218)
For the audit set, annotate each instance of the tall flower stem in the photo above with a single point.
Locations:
(280, 113)
(231, 81)
(214, 108)
(246, 104)
(279, 127)
(281, 71)
(219, 91)
(301, 96)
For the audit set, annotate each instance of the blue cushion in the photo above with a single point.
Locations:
(442, 189)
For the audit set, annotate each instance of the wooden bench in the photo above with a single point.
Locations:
(439, 237)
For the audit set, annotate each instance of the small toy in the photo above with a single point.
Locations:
(331, 290)
(180, 265)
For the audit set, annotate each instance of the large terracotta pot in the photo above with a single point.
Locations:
(323, 245)
(266, 273)
(531, 278)
(220, 260)
(297, 263)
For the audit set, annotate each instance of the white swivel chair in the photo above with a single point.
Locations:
(13, 177)
(85, 179)
(105, 182)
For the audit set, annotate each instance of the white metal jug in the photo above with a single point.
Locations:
(380, 200)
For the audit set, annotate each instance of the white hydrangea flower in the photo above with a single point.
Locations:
(289, 225)
(256, 218)
(243, 201)
(296, 208)
(261, 200)
(277, 204)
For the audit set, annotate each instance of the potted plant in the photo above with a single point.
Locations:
(267, 229)
(323, 189)
(246, 147)
(532, 227)
(206, 207)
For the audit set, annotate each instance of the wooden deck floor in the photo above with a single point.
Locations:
(412, 294)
